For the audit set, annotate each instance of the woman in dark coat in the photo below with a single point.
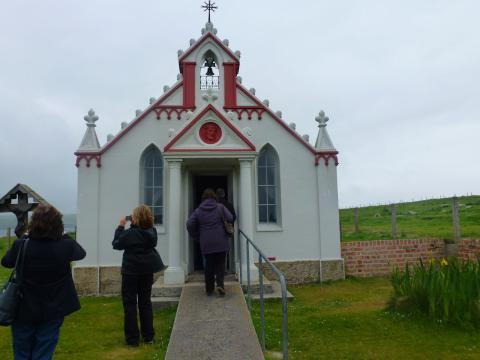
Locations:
(48, 290)
(206, 224)
(140, 261)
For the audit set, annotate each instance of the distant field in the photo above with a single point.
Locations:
(419, 219)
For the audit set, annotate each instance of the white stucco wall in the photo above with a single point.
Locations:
(308, 193)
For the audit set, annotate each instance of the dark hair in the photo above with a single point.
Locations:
(46, 222)
(143, 217)
(209, 194)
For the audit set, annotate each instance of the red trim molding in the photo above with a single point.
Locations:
(230, 78)
(240, 110)
(189, 84)
(89, 157)
(208, 108)
(169, 109)
(326, 156)
(206, 36)
(318, 155)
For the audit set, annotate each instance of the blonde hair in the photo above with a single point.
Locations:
(143, 216)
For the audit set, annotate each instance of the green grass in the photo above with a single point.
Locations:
(96, 332)
(347, 320)
(419, 219)
(4, 273)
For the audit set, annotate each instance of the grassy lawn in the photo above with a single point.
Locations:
(96, 332)
(4, 273)
(429, 218)
(346, 320)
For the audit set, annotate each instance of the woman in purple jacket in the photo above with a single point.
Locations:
(206, 225)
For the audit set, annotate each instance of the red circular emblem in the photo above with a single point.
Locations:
(210, 133)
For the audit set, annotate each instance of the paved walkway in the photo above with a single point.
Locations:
(213, 327)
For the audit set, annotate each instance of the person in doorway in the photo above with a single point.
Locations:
(140, 261)
(48, 290)
(223, 200)
(206, 224)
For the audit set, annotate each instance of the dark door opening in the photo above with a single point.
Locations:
(200, 183)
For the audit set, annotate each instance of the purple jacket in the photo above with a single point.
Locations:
(206, 224)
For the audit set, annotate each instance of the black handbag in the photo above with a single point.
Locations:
(11, 294)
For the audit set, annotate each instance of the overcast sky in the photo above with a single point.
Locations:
(400, 81)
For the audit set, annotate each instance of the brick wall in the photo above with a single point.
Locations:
(469, 249)
(378, 257)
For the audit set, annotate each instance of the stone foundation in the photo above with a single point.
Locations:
(307, 271)
(85, 279)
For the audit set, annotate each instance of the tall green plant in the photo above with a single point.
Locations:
(443, 290)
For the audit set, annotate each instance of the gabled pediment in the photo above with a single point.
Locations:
(210, 131)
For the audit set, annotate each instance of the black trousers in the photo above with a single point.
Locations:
(137, 287)
(214, 270)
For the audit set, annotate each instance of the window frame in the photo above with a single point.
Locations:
(269, 226)
(143, 187)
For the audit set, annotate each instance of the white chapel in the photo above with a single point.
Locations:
(208, 130)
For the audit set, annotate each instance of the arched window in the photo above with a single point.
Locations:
(268, 186)
(152, 179)
(209, 72)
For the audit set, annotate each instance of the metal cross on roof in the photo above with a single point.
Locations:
(209, 6)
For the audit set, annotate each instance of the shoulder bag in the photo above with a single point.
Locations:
(228, 227)
(11, 294)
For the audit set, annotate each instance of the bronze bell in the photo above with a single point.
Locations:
(210, 62)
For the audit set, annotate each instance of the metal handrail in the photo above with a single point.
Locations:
(262, 257)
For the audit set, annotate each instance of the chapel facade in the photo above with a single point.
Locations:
(209, 130)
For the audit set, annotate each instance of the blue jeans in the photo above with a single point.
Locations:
(35, 341)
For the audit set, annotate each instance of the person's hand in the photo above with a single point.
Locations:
(122, 221)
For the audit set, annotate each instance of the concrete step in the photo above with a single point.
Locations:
(213, 327)
(163, 302)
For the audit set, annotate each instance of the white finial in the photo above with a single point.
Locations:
(152, 100)
(91, 118)
(138, 112)
(110, 137)
(239, 79)
(292, 126)
(166, 88)
(179, 77)
(247, 131)
(123, 125)
(252, 90)
(180, 52)
(266, 102)
(204, 31)
(189, 114)
(279, 114)
(306, 137)
(209, 26)
(171, 132)
(214, 31)
(192, 41)
(231, 115)
(226, 42)
(321, 119)
(238, 54)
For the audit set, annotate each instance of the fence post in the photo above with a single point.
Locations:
(394, 221)
(9, 234)
(456, 220)
(357, 227)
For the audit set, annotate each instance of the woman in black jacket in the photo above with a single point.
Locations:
(48, 290)
(140, 261)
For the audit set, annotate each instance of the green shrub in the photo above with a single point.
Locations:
(445, 290)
